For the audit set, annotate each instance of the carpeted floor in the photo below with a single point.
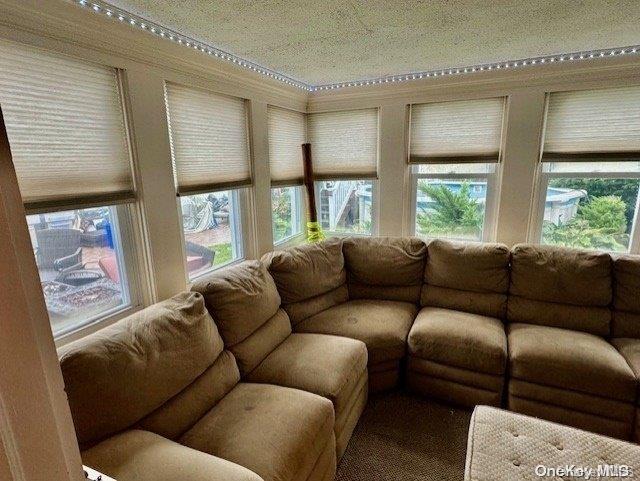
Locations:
(401, 437)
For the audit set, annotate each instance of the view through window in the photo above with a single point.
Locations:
(286, 207)
(79, 255)
(590, 205)
(451, 199)
(345, 206)
(211, 225)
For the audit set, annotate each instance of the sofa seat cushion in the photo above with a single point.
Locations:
(459, 339)
(143, 456)
(382, 325)
(329, 366)
(570, 360)
(630, 350)
(276, 432)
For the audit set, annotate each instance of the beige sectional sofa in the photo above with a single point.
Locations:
(263, 370)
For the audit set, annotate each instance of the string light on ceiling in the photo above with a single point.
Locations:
(102, 8)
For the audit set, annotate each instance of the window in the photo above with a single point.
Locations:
(590, 170)
(286, 206)
(82, 264)
(344, 146)
(451, 200)
(454, 155)
(210, 150)
(287, 132)
(590, 205)
(67, 130)
(345, 206)
(211, 230)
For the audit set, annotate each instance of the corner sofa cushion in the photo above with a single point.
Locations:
(276, 432)
(308, 270)
(630, 350)
(561, 287)
(467, 276)
(118, 375)
(382, 325)
(626, 301)
(570, 360)
(459, 339)
(329, 366)
(388, 268)
(245, 305)
(144, 456)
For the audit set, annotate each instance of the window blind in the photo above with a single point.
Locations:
(456, 132)
(287, 132)
(593, 125)
(344, 144)
(66, 128)
(209, 140)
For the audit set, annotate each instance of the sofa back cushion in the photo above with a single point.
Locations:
(245, 305)
(120, 374)
(310, 278)
(561, 287)
(626, 296)
(467, 276)
(387, 268)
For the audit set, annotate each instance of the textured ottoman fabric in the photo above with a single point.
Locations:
(457, 357)
(276, 432)
(504, 446)
(143, 456)
(330, 366)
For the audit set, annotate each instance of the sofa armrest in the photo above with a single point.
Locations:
(144, 456)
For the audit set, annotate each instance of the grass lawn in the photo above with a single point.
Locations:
(223, 253)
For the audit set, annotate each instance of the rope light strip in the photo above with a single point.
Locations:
(103, 8)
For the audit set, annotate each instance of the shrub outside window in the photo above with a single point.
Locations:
(212, 229)
(454, 201)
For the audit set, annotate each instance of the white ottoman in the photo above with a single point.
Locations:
(505, 446)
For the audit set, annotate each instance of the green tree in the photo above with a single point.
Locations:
(281, 205)
(454, 213)
(626, 189)
(606, 214)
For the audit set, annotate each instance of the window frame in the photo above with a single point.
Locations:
(298, 216)
(540, 197)
(241, 206)
(375, 193)
(490, 214)
(130, 262)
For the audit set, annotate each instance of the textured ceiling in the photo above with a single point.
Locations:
(322, 42)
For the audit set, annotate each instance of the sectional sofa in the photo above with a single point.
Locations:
(263, 370)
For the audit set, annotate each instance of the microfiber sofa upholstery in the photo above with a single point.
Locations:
(263, 369)
(156, 396)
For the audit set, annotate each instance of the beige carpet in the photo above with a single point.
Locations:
(406, 438)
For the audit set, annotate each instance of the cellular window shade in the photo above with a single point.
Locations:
(66, 129)
(287, 133)
(344, 144)
(209, 140)
(593, 125)
(456, 132)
